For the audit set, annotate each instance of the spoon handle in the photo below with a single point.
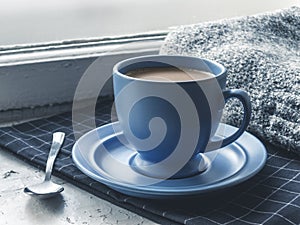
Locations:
(58, 139)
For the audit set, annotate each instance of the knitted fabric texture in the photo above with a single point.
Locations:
(262, 56)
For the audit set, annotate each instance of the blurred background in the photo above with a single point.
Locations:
(35, 21)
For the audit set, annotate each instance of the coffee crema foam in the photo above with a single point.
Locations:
(169, 74)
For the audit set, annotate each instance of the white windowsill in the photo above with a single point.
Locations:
(35, 76)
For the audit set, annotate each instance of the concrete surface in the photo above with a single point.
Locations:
(73, 206)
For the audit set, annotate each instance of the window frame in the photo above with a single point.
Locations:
(39, 80)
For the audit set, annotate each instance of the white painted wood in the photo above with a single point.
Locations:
(83, 48)
(46, 75)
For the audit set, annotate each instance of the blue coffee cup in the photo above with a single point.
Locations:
(171, 123)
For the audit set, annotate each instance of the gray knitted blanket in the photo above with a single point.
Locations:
(262, 55)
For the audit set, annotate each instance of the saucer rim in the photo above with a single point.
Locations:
(155, 191)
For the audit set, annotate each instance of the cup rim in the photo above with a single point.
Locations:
(116, 68)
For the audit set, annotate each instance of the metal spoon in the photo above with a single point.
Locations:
(47, 188)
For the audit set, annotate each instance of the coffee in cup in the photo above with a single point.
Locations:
(169, 74)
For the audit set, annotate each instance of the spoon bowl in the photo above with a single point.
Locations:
(47, 188)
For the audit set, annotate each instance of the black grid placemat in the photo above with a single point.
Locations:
(271, 197)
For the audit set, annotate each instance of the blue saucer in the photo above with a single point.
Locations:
(103, 155)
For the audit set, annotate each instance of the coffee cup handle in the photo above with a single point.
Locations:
(245, 100)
